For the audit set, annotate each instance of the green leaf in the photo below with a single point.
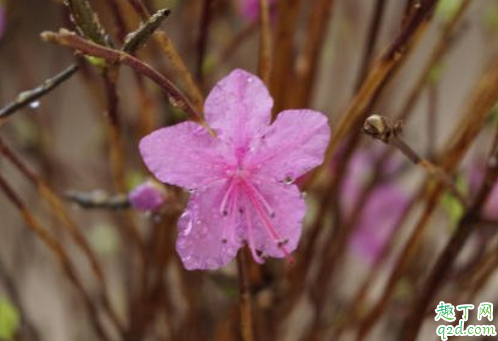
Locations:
(435, 73)
(452, 206)
(9, 319)
(491, 17)
(104, 239)
(493, 116)
(446, 9)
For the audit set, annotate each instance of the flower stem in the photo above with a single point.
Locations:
(246, 322)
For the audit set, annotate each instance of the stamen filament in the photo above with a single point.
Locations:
(261, 198)
(226, 197)
(267, 223)
(250, 240)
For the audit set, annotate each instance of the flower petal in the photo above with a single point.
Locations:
(293, 145)
(378, 220)
(207, 239)
(184, 155)
(283, 211)
(238, 107)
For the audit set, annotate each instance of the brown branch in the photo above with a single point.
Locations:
(61, 213)
(70, 39)
(27, 97)
(246, 320)
(381, 128)
(264, 63)
(60, 253)
(98, 200)
(447, 258)
(202, 41)
(483, 98)
(373, 35)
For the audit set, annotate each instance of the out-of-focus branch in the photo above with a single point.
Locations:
(25, 98)
(381, 128)
(98, 200)
(72, 40)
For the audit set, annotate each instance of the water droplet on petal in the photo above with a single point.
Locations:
(289, 180)
(249, 80)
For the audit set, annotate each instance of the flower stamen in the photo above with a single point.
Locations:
(280, 242)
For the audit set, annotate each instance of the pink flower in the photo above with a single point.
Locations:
(380, 213)
(250, 8)
(146, 197)
(476, 178)
(240, 180)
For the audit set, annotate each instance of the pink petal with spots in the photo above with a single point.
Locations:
(184, 155)
(238, 108)
(293, 145)
(275, 214)
(208, 239)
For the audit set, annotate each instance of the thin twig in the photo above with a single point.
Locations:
(444, 263)
(98, 200)
(246, 321)
(264, 63)
(381, 128)
(70, 39)
(60, 212)
(136, 39)
(202, 41)
(59, 251)
(25, 98)
(373, 35)
(483, 98)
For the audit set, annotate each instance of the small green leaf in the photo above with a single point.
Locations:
(447, 9)
(491, 17)
(453, 207)
(9, 319)
(96, 61)
(133, 179)
(435, 73)
(104, 239)
(493, 116)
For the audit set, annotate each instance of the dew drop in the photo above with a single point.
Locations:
(288, 180)
(249, 80)
(34, 105)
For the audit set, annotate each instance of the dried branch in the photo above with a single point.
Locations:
(25, 98)
(98, 200)
(484, 96)
(264, 63)
(70, 39)
(87, 22)
(60, 253)
(136, 39)
(447, 258)
(381, 128)
(247, 328)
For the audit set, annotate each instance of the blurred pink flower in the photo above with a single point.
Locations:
(250, 8)
(241, 180)
(146, 197)
(381, 211)
(2, 20)
(476, 177)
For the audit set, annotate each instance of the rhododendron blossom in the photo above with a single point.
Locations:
(241, 179)
(146, 197)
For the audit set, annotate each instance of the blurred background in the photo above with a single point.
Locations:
(67, 138)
